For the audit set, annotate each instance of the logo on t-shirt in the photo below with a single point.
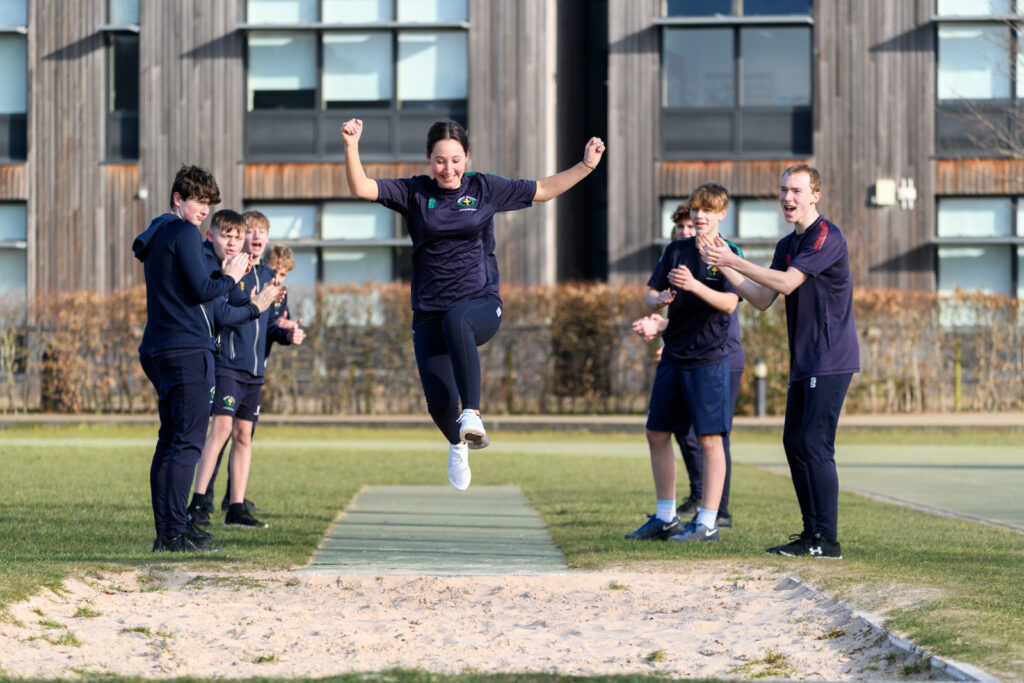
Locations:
(713, 273)
(241, 285)
(467, 202)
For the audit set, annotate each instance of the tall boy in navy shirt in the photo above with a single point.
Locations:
(691, 386)
(177, 346)
(811, 267)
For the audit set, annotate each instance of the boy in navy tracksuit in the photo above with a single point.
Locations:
(241, 362)
(691, 387)
(811, 268)
(177, 348)
(279, 329)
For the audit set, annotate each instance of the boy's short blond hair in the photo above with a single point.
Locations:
(280, 258)
(682, 212)
(711, 196)
(812, 173)
(228, 222)
(256, 220)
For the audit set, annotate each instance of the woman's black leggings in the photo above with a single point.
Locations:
(445, 344)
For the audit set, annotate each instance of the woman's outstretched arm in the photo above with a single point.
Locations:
(358, 183)
(552, 186)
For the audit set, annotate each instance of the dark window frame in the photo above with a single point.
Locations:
(121, 140)
(1012, 242)
(388, 119)
(959, 132)
(400, 243)
(800, 118)
(14, 127)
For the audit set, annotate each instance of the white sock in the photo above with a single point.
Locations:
(666, 510)
(708, 518)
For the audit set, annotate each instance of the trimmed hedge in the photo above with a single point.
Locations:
(564, 349)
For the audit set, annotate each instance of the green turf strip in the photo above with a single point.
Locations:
(438, 531)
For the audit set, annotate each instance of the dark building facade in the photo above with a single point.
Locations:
(906, 106)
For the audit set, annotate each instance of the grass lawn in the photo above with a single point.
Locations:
(77, 498)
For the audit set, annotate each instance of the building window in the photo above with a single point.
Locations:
(397, 64)
(13, 247)
(979, 78)
(979, 244)
(122, 44)
(340, 242)
(14, 84)
(736, 78)
(754, 224)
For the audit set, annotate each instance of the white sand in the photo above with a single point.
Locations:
(163, 622)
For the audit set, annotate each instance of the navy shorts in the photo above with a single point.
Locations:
(682, 397)
(237, 397)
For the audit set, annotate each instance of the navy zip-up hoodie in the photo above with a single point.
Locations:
(178, 282)
(233, 308)
(244, 347)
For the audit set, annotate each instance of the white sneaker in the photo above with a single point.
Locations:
(472, 430)
(458, 466)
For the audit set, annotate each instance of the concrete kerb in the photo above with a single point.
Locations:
(958, 671)
(588, 423)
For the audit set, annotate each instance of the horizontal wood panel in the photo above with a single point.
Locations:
(13, 183)
(979, 176)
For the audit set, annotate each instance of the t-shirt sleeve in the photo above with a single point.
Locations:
(394, 193)
(779, 258)
(509, 195)
(818, 254)
(659, 278)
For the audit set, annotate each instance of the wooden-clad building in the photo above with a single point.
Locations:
(907, 108)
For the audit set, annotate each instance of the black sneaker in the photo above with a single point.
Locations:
(250, 506)
(799, 545)
(822, 547)
(197, 534)
(198, 516)
(238, 515)
(724, 521)
(182, 544)
(656, 530)
(689, 508)
(208, 501)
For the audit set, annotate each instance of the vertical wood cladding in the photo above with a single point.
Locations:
(874, 102)
(191, 95)
(512, 126)
(633, 132)
(66, 109)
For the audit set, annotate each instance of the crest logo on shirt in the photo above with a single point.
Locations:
(713, 273)
(431, 203)
(241, 285)
(467, 201)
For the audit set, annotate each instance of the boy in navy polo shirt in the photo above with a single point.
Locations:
(177, 347)
(691, 386)
(811, 268)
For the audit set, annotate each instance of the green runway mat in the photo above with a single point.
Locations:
(438, 531)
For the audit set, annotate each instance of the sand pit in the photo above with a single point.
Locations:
(163, 622)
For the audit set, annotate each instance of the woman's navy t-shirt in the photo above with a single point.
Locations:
(452, 233)
(819, 313)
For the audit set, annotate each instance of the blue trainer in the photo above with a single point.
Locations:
(695, 531)
(656, 530)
